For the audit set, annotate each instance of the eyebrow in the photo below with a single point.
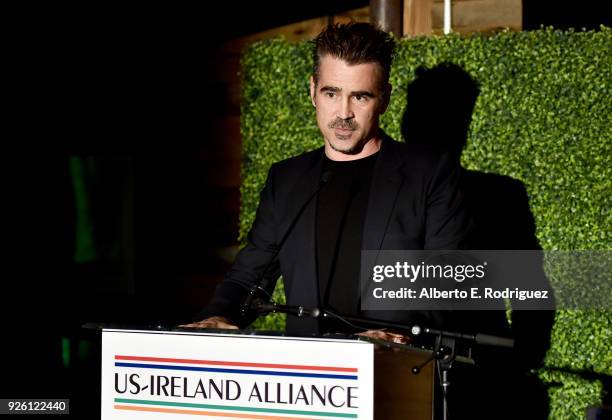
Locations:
(330, 89)
(353, 93)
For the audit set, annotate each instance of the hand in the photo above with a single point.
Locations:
(386, 336)
(218, 322)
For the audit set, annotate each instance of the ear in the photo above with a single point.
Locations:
(312, 91)
(386, 98)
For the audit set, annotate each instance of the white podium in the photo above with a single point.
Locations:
(149, 374)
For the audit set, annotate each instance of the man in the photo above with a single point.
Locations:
(360, 191)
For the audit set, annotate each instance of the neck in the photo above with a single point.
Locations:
(369, 148)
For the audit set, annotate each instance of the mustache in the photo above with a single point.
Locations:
(344, 124)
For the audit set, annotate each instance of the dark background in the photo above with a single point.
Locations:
(111, 108)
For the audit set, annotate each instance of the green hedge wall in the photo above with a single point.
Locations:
(543, 117)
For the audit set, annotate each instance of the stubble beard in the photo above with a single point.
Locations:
(348, 125)
(351, 150)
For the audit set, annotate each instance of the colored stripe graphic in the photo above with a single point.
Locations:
(164, 404)
(236, 371)
(239, 364)
(204, 413)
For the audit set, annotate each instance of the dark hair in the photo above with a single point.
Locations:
(355, 43)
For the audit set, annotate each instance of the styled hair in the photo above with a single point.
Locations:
(355, 43)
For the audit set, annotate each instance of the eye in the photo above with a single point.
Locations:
(361, 98)
(330, 94)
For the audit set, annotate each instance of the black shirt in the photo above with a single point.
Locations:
(341, 211)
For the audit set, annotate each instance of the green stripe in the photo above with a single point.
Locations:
(231, 407)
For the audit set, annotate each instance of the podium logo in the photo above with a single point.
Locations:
(235, 389)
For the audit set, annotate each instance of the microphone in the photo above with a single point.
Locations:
(263, 308)
(247, 304)
(325, 179)
(492, 340)
(483, 339)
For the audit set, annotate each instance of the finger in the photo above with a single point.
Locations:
(401, 340)
(373, 334)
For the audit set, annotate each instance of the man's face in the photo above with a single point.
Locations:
(349, 100)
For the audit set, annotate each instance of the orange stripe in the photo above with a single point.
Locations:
(206, 413)
(244, 364)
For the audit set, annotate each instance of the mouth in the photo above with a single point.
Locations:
(343, 131)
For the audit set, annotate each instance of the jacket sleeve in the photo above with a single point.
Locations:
(256, 263)
(447, 223)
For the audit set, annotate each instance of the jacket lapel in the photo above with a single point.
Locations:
(384, 190)
(302, 191)
(305, 284)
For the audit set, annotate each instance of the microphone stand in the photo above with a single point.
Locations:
(445, 344)
(261, 284)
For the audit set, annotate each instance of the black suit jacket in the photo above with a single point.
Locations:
(414, 203)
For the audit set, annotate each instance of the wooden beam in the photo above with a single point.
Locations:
(417, 17)
(300, 31)
(479, 15)
(355, 15)
(388, 15)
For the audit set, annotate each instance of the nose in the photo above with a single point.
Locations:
(345, 112)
